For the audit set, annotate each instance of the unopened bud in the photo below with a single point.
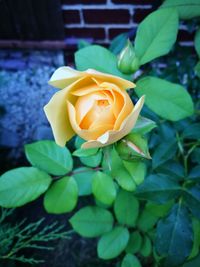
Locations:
(128, 63)
(132, 147)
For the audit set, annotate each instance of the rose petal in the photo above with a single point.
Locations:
(65, 76)
(57, 115)
(91, 88)
(105, 116)
(85, 134)
(113, 136)
(123, 104)
(122, 83)
(85, 103)
(56, 112)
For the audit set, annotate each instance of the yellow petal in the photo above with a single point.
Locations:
(122, 83)
(85, 103)
(123, 104)
(112, 136)
(85, 134)
(65, 76)
(89, 88)
(103, 117)
(125, 111)
(56, 112)
(57, 115)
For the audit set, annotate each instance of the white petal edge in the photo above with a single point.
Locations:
(125, 84)
(64, 76)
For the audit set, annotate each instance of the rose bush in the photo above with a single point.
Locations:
(93, 105)
(131, 202)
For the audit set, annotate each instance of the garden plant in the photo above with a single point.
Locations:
(128, 137)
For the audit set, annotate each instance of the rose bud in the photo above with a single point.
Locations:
(132, 147)
(128, 63)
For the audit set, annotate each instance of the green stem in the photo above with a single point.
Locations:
(182, 152)
(76, 172)
(192, 143)
(185, 161)
(180, 146)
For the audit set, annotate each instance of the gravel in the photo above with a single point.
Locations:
(23, 94)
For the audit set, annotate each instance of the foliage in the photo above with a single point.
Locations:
(143, 212)
(22, 235)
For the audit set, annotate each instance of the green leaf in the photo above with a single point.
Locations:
(146, 220)
(113, 243)
(78, 142)
(101, 204)
(146, 248)
(159, 210)
(143, 125)
(137, 170)
(164, 152)
(192, 132)
(22, 185)
(126, 208)
(119, 172)
(83, 44)
(192, 199)
(197, 69)
(197, 39)
(187, 9)
(174, 234)
(98, 58)
(134, 243)
(195, 173)
(62, 196)
(195, 155)
(118, 43)
(166, 131)
(83, 177)
(193, 263)
(93, 160)
(130, 261)
(158, 188)
(85, 152)
(196, 241)
(173, 169)
(103, 188)
(156, 35)
(92, 221)
(169, 100)
(50, 157)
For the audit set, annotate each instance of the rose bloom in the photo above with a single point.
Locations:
(91, 104)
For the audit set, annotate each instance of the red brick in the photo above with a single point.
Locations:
(85, 2)
(106, 16)
(71, 16)
(112, 33)
(85, 33)
(140, 14)
(184, 35)
(134, 2)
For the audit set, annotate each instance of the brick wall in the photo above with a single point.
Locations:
(100, 21)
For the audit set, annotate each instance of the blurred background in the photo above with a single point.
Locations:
(36, 37)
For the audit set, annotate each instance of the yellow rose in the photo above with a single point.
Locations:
(91, 104)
